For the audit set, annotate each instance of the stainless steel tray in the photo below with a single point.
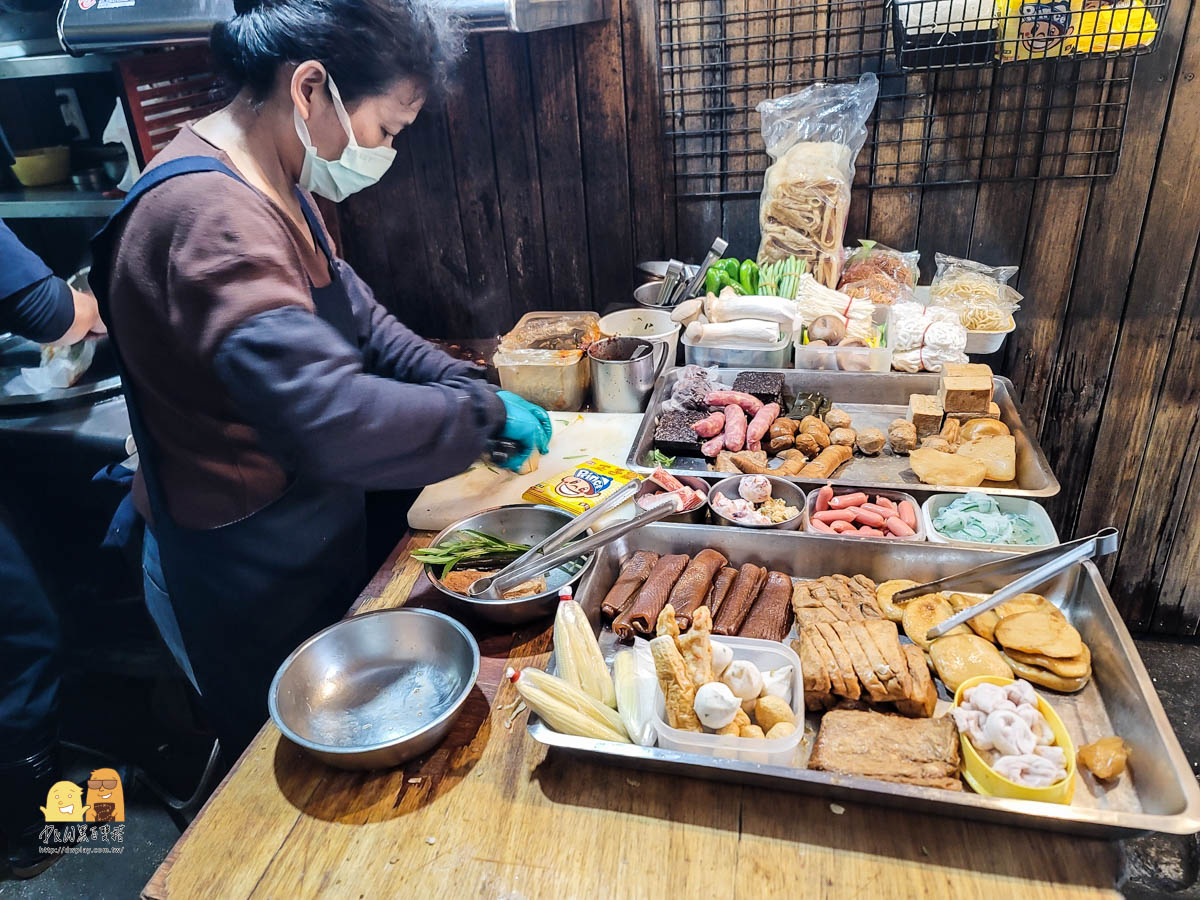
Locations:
(871, 399)
(1157, 793)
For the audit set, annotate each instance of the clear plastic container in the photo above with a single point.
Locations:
(894, 496)
(844, 359)
(782, 751)
(543, 358)
(770, 356)
(1014, 505)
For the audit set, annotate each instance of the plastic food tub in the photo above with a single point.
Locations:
(983, 342)
(983, 779)
(777, 752)
(1015, 505)
(551, 373)
(769, 356)
(653, 325)
(843, 359)
(894, 496)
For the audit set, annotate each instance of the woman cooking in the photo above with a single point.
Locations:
(267, 388)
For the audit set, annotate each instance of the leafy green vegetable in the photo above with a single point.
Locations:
(469, 546)
(658, 458)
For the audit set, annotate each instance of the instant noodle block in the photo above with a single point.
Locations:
(579, 489)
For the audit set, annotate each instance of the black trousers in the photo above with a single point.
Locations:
(30, 667)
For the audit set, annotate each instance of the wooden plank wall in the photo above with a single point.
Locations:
(545, 177)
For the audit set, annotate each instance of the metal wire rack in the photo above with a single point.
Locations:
(964, 97)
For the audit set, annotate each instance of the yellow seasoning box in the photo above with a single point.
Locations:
(580, 488)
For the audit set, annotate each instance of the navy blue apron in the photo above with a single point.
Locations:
(247, 593)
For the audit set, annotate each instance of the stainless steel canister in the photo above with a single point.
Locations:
(624, 370)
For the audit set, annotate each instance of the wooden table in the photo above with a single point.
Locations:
(492, 813)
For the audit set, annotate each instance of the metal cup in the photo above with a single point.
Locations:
(623, 372)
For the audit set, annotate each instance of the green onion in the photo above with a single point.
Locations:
(658, 458)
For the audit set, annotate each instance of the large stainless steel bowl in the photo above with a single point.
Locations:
(780, 487)
(375, 690)
(520, 524)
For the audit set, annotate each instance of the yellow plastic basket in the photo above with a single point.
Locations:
(983, 779)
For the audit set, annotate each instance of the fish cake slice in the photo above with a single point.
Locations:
(1068, 667)
(807, 616)
(887, 641)
(828, 600)
(884, 594)
(859, 665)
(1047, 679)
(922, 613)
(958, 657)
(879, 666)
(922, 701)
(1028, 603)
(1039, 632)
(983, 624)
(816, 679)
(842, 680)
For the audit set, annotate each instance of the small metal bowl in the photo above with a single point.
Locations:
(522, 524)
(780, 487)
(697, 516)
(375, 690)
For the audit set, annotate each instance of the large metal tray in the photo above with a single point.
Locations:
(1157, 793)
(871, 399)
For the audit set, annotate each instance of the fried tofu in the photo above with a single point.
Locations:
(886, 639)
(888, 748)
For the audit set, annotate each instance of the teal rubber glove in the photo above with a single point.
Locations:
(545, 429)
(523, 427)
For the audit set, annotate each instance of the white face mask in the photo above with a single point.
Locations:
(357, 167)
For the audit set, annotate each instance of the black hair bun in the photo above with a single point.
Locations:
(364, 44)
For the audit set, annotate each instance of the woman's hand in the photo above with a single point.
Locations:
(527, 424)
(87, 320)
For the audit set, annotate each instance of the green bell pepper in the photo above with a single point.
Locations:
(712, 279)
(731, 267)
(748, 276)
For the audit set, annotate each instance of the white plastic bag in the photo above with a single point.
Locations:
(814, 136)
(924, 338)
(978, 293)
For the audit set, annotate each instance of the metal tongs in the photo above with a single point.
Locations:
(551, 553)
(1045, 564)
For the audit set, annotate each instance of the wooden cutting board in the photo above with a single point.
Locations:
(577, 436)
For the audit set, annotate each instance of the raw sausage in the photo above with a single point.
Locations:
(714, 445)
(735, 425)
(711, 425)
(759, 424)
(748, 403)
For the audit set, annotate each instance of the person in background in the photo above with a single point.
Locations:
(41, 307)
(267, 389)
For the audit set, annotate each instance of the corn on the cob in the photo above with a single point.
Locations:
(637, 690)
(577, 656)
(566, 708)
